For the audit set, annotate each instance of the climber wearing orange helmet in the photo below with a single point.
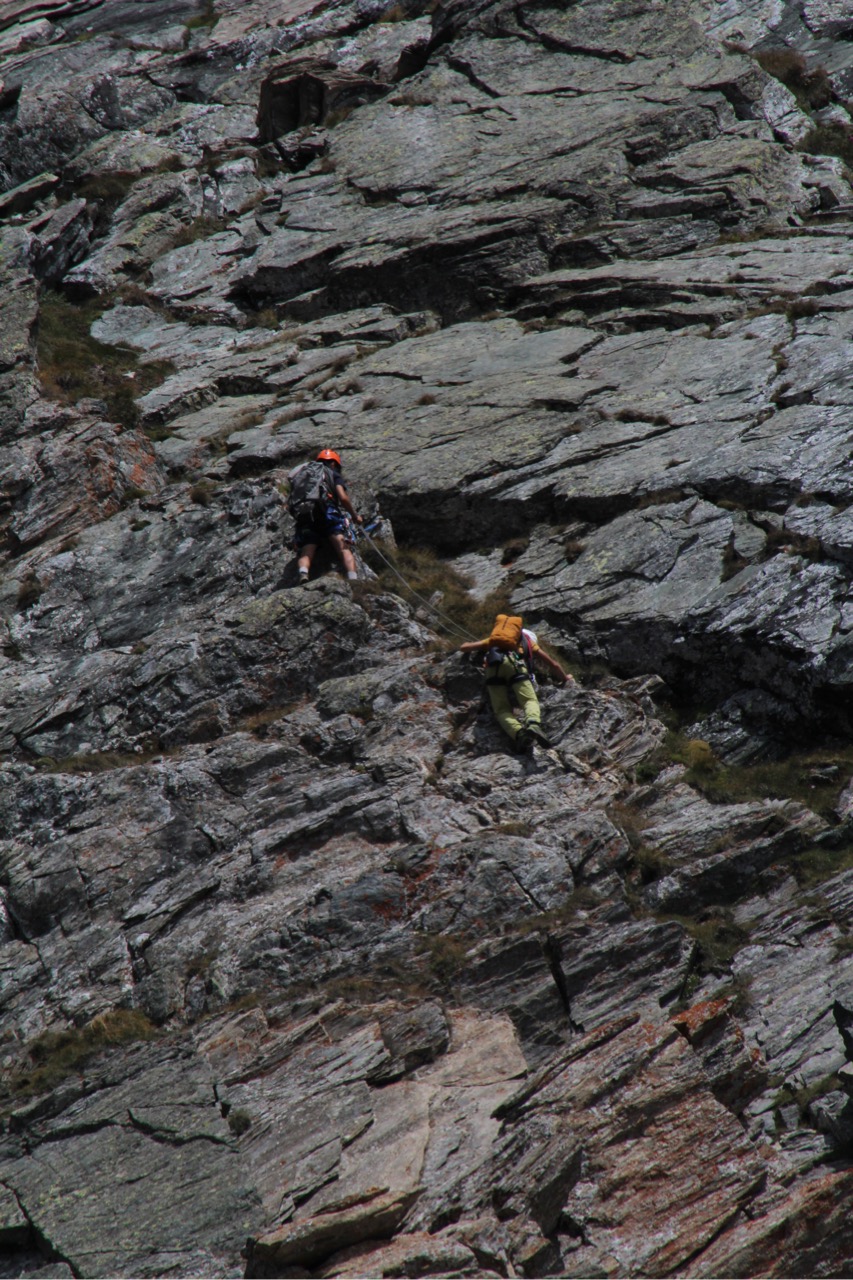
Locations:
(318, 501)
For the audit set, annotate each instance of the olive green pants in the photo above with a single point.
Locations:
(514, 702)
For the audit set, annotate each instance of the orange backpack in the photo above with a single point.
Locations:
(506, 633)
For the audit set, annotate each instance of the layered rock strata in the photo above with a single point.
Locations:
(302, 971)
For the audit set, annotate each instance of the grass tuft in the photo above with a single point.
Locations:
(198, 229)
(812, 89)
(55, 1055)
(814, 778)
(829, 140)
(74, 365)
(447, 590)
(29, 591)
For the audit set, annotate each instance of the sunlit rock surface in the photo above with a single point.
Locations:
(302, 971)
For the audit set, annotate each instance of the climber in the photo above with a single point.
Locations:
(319, 503)
(510, 652)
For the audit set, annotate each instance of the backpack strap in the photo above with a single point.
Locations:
(527, 655)
(332, 483)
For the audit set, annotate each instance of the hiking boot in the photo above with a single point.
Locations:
(536, 732)
(523, 741)
(303, 580)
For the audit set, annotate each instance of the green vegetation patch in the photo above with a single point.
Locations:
(829, 140)
(820, 863)
(423, 578)
(803, 1098)
(73, 365)
(203, 21)
(813, 778)
(198, 229)
(99, 761)
(58, 1054)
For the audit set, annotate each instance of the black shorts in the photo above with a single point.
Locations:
(332, 521)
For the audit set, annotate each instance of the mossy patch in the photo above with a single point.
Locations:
(58, 1054)
(829, 140)
(811, 87)
(813, 778)
(445, 954)
(198, 229)
(73, 365)
(819, 863)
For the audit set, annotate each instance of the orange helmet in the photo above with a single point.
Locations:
(329, 455)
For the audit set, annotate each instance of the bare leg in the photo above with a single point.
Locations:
(306, 556)
(344, 554)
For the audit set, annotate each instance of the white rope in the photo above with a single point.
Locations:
(449, 622)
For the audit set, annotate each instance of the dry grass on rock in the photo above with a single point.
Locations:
(74, 366)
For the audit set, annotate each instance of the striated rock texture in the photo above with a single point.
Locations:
(302, 971)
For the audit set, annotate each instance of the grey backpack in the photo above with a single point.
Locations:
(311, 486)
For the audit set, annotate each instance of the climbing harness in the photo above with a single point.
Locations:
(520, 668)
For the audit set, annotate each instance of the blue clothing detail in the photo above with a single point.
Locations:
(332, 520)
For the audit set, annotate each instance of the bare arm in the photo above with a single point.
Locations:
(553, 666)
(343, 499)
(474, 646)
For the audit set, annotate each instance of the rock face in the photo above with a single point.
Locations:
(302, 971)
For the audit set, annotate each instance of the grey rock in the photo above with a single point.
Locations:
(22, 198)
(17, 354)
(114, 1130)
(59, 240)
(562, 288)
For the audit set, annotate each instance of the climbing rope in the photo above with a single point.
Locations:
(449, 623)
